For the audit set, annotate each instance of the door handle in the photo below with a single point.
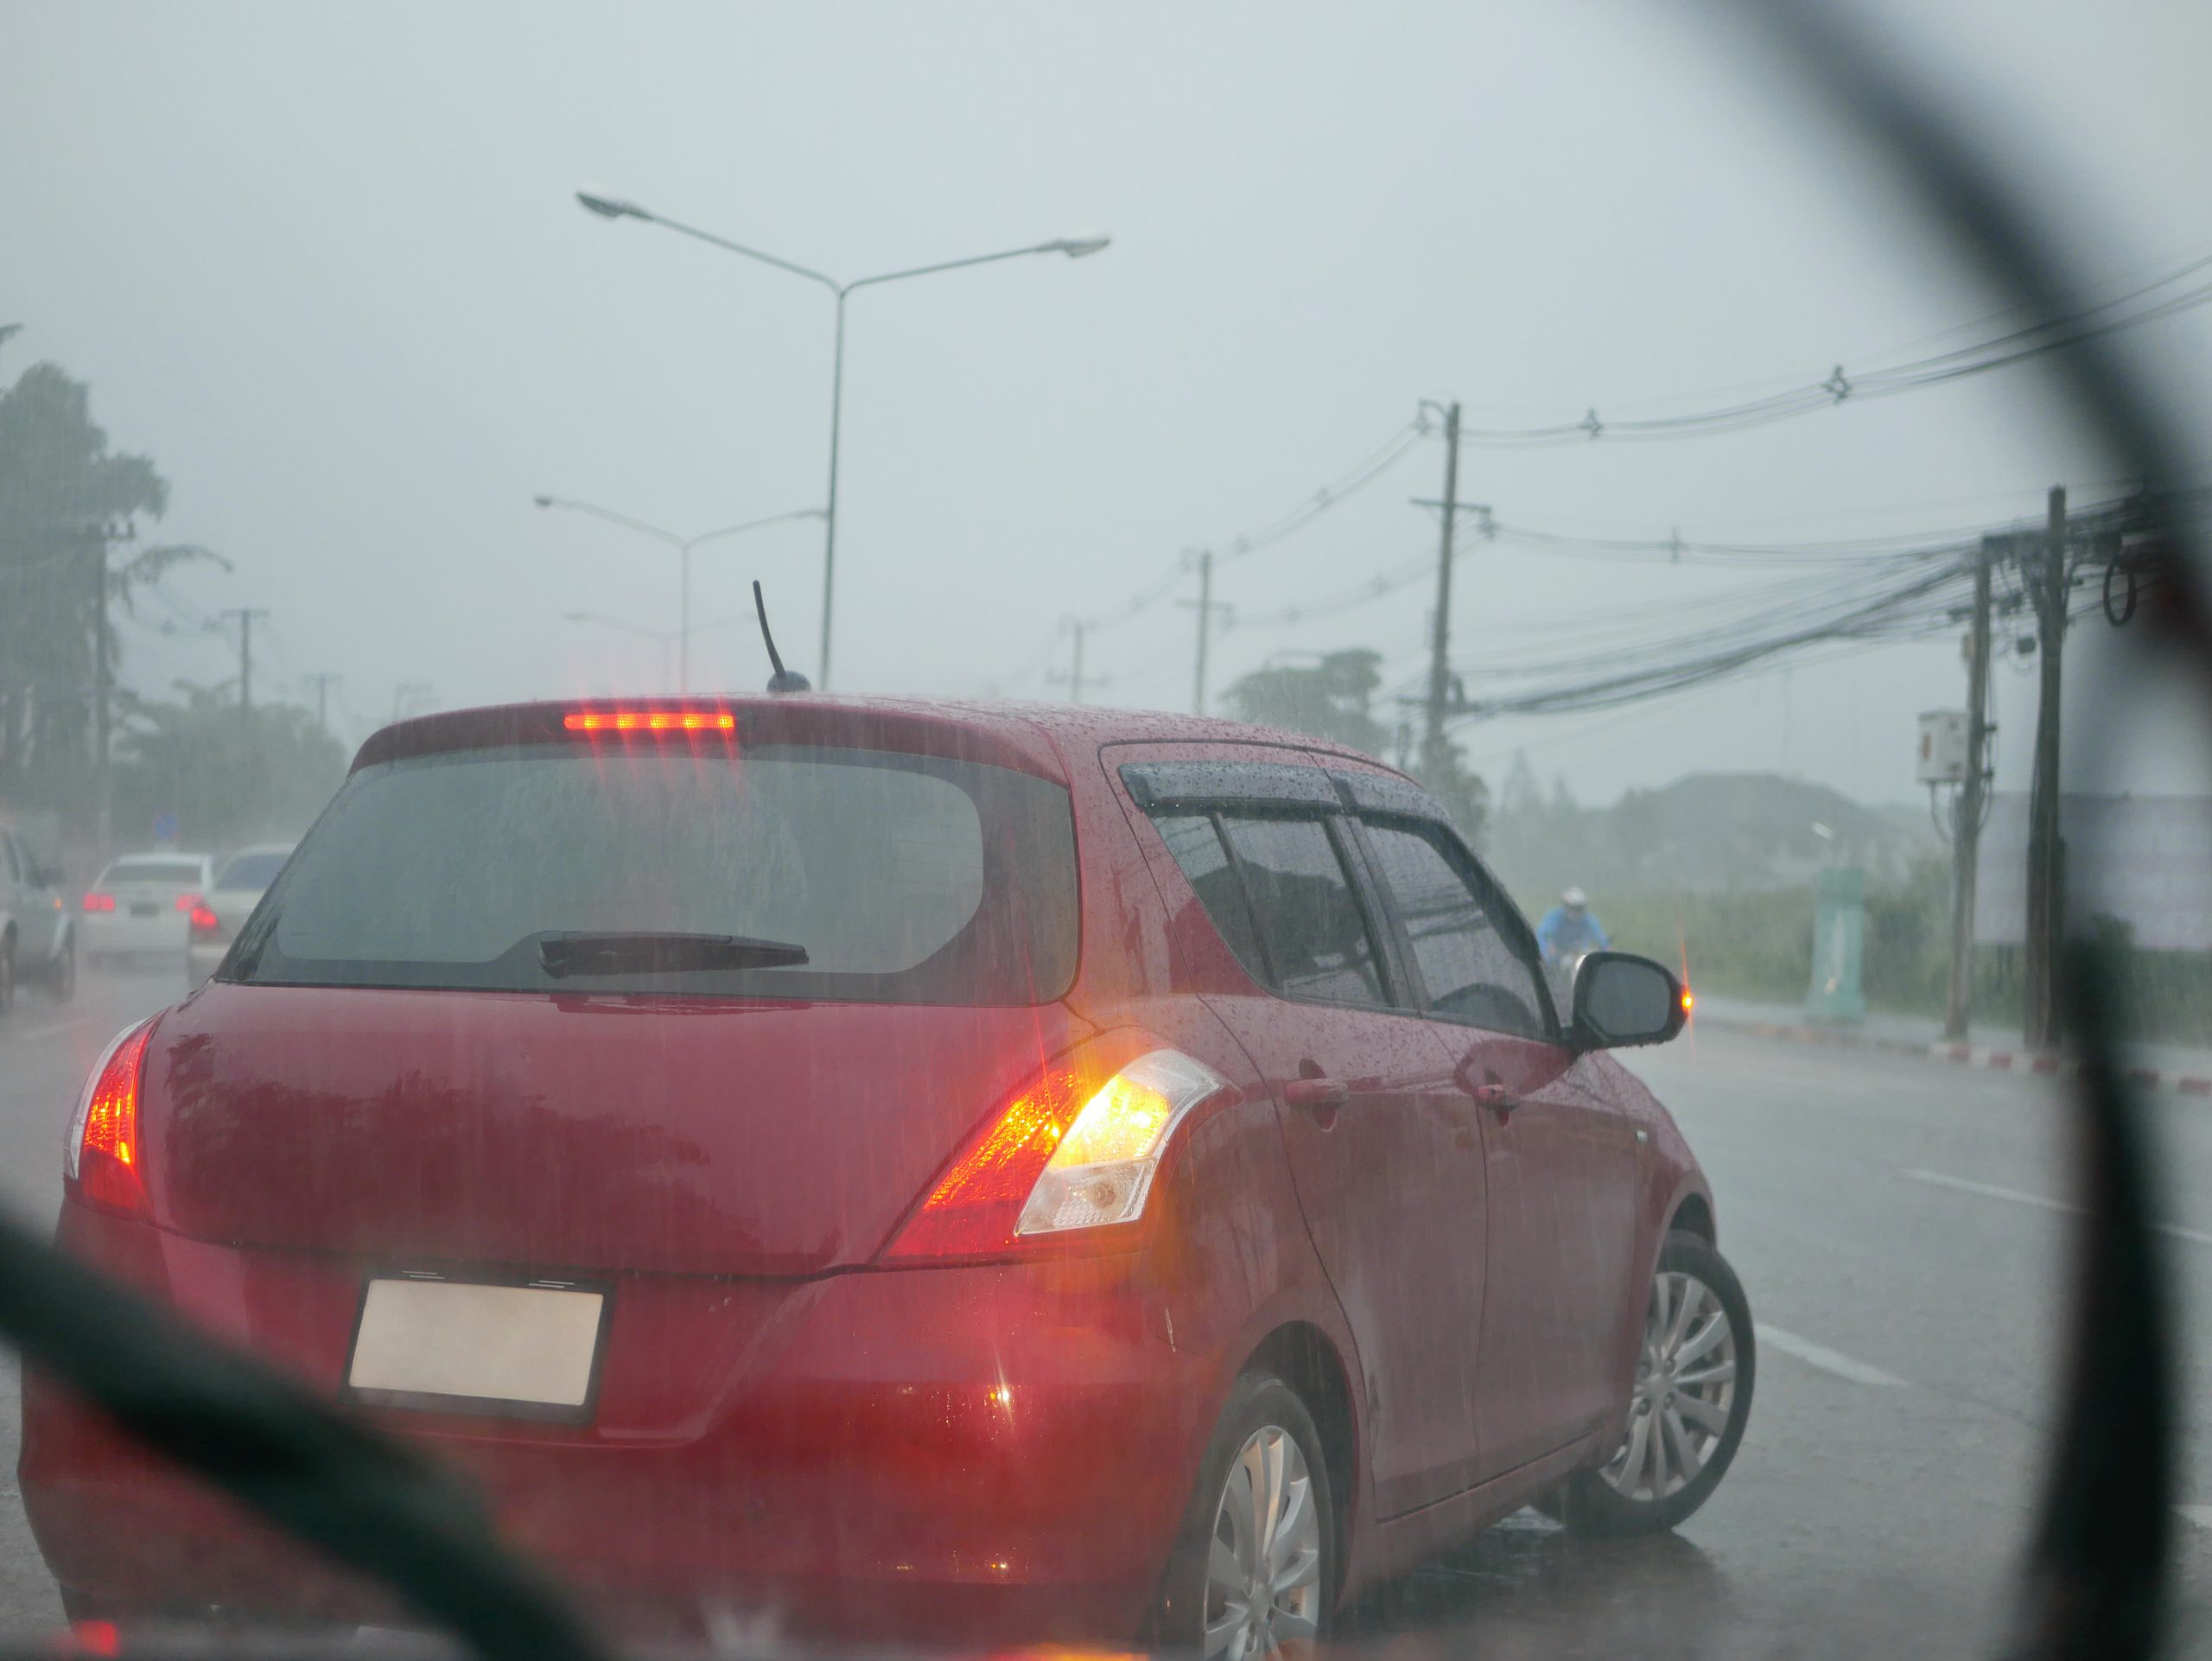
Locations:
(1499, 1098)
(1317, 1093)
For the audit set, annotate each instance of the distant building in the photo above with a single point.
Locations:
(1710, 832)
(1739, 831)
(2145, 859)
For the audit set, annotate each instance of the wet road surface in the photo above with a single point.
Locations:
(1900, 1228)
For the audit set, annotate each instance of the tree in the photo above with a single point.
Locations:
(1521, 797)
(1329, 699)
(1333, 699)
(65, 497)
(229, 775)
(1463, 794)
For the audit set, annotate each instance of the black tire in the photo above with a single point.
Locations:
(7, 973)
(1259, 1402)
(61, 978)
(1594, 1504)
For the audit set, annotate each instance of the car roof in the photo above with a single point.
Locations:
(1035, 737)
(261, 848)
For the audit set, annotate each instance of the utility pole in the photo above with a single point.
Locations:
(103, 696)
(2046, 898)
(1965, 843)
(1074, 679)
(323, 685)
(246, 616)
(1205, 609)
(1433, 753)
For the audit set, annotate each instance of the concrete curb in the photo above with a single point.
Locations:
(1963, 1055)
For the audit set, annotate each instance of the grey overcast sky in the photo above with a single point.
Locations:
(324, 264)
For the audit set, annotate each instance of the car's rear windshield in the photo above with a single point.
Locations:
(905, 878)
(184, 871)
(253, 870)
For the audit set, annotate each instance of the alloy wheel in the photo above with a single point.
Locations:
(1263, 1574)
(1685, 1391)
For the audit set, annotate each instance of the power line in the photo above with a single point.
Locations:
(2131, 310)
(1361, 474)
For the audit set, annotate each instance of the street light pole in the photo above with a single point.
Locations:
(684, 545)
(830, 519)
(616, 207)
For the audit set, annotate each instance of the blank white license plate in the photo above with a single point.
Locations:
(531, 1351)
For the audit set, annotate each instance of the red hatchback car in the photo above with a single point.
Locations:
(934, 1170)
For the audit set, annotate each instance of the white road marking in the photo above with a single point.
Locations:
(2200, 1515)
(1828, 1360)
(2042, 1202)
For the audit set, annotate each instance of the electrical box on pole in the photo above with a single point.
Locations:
(1944, 741)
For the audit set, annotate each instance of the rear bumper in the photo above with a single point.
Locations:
(204, 957)
(974, 1454)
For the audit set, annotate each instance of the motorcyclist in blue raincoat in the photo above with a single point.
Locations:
(1569, 929)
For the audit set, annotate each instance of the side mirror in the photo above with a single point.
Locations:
(1621, 1000)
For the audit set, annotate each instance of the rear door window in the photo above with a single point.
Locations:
(1196, 844)
(1468, 967)
(1275, 887)
(903, 878)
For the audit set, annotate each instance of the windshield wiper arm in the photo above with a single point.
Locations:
(645, 952)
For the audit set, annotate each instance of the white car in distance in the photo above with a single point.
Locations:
(238, 889)
(142, 905)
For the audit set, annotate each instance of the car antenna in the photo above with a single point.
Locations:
(783, 680)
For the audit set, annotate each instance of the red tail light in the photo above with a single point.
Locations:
(187, 902)
(1075, 1150)
(99, 902)
(204, 921)
(106, 1163)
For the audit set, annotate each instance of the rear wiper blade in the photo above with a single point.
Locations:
(649, 953)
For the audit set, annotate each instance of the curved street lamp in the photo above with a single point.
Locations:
(684, 545)
(617, 207)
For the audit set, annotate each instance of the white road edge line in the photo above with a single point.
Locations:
(2200, 1515)
(1828, 1360)
(1990, 1190)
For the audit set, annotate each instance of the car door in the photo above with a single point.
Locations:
(1384, 1149)
(28, 901)
(1561, 1167)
